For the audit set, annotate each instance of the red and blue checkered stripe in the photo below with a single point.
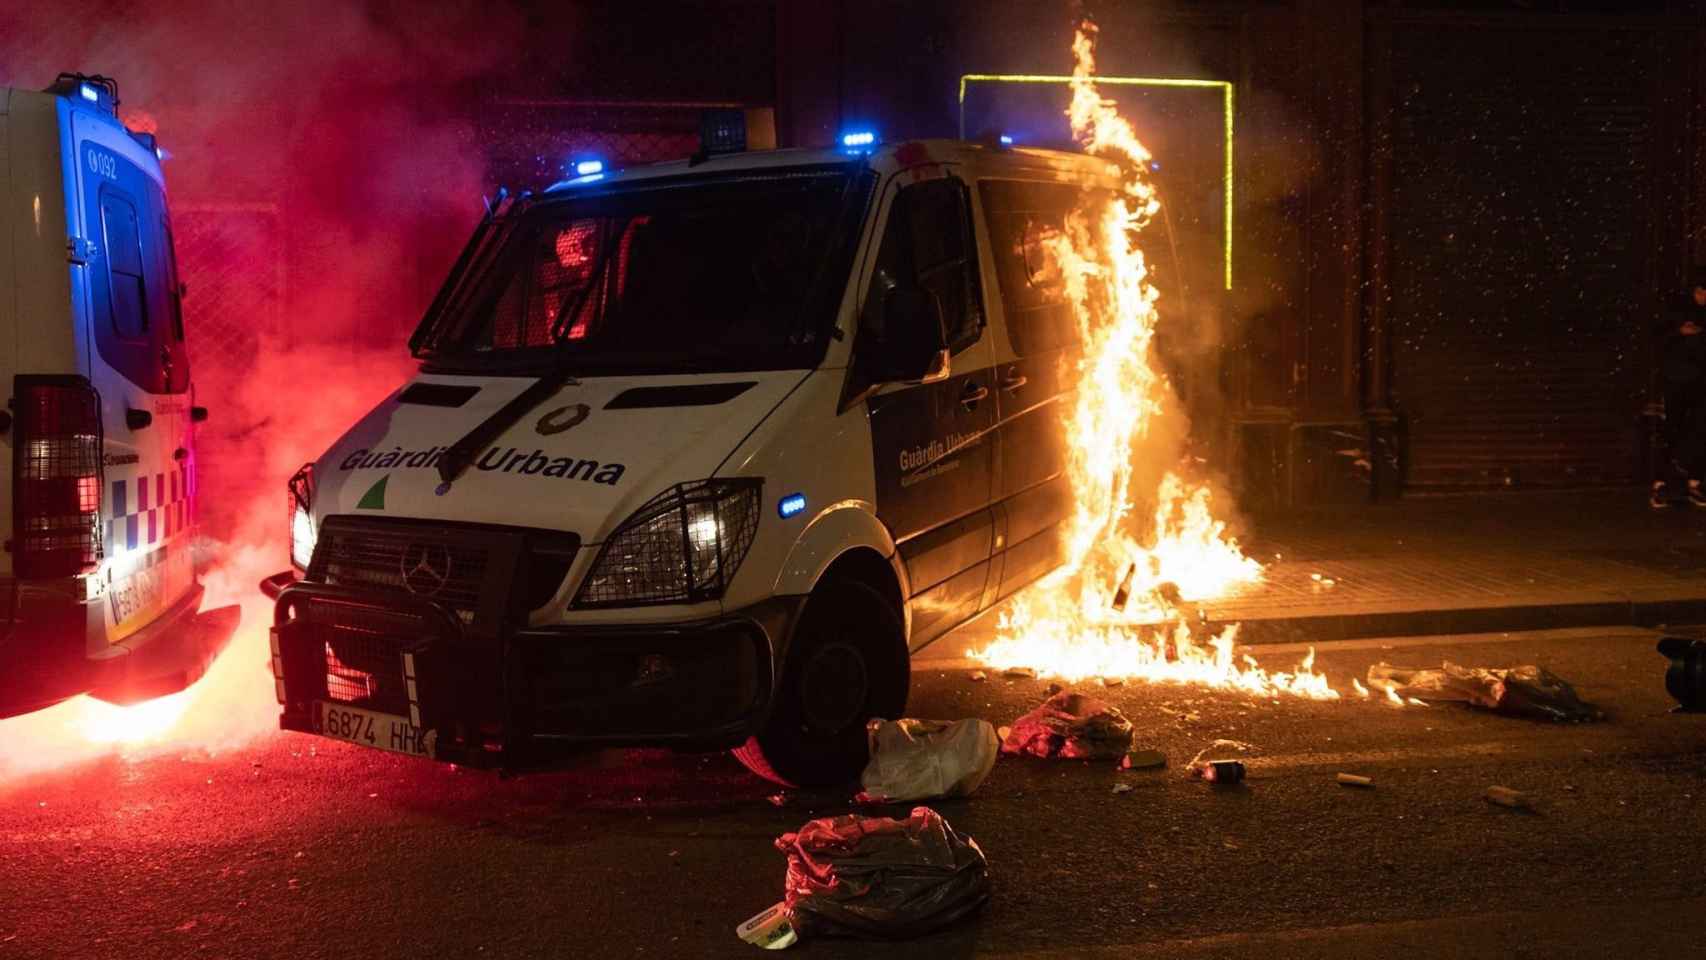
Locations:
(148, 510)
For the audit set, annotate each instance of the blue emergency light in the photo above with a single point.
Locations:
(791, 505)
(89, 93)
(855, 139)
(586, 168)
(1006, 140)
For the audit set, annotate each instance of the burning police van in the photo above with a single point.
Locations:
(697, 455)
(99, 586)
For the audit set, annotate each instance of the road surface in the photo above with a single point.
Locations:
(300, 848)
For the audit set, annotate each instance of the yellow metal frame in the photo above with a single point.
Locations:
(1224, 86)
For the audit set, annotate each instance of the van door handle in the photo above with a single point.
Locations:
(182, 453)
(137, 419)
(973, 393)
(1014, 382)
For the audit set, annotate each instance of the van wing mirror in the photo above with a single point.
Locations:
(913, 347)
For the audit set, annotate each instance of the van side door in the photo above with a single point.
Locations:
(1032, 486)
(931, 442)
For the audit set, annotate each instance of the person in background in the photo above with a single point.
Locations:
(1683, 362)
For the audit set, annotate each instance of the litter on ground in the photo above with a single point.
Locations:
(920, 759)
(880, 878)
(1072, 726)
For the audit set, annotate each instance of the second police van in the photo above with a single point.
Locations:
(697, 455)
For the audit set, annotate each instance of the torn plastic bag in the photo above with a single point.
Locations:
(920, 759)
(1073, 726)
(881, 878)
(1526, 691)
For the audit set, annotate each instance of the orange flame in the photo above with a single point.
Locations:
(1068, 625)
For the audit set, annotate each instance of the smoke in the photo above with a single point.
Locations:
(348, 127)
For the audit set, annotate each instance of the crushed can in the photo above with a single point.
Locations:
(1224, 772)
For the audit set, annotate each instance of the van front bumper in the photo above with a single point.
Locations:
(44, 654)
(530, 698)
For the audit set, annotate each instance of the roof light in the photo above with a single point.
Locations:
(858, 138)
(792, 504)
(1006, 140)
(586, 168)
(89, 93)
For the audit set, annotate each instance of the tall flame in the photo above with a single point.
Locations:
(1113, 609)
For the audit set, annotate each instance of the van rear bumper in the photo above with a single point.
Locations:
(531, 698)
(44, 655)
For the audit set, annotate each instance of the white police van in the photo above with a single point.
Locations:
(698, 453)
(99, 588)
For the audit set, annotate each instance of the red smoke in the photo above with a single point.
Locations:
(347, 130)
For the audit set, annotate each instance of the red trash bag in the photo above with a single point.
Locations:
(1072, 726)
(881, 878)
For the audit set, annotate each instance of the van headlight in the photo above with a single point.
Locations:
(302, 531)
(683, 546)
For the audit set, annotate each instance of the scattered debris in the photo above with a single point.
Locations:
(1355, 780)
(1685, 679)
(1223, 772)
(1506, 797)
(880, 878)
(778, 799)
(1072, 726)
(978, 676)
(1019, 673)
(1191, 768)
(1113, 681)
(770, 929)
(1122, 788)
(1361, 690)
(1122, 594)
(1052, 689)
(1527, 691)
(1002, 733)
(1143, 760)
(918, 759)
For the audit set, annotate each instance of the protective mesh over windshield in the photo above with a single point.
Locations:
(721, 274)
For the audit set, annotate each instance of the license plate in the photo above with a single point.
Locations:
(382, 731)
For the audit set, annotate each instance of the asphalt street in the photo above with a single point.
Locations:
(296, 847)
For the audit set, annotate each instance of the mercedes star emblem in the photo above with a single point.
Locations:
(426, 568)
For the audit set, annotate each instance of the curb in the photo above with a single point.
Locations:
(1433, 622)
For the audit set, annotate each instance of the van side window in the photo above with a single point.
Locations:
(1024, 219)
(127, 303)
(928, 242)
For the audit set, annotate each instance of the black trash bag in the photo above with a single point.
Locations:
(881, 878)
(1073, 726)
(1685, 679)
(1527, 691)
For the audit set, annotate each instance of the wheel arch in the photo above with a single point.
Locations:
(847, 540)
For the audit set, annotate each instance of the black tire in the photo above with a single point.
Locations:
(846, 664)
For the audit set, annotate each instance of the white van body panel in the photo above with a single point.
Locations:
(584, 479)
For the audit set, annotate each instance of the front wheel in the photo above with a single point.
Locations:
(847, 663)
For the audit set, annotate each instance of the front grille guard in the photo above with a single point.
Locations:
(446, 686)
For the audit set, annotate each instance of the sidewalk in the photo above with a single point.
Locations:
(1473, 563)
(1482, 563)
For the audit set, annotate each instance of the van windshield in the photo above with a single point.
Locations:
(709, 275)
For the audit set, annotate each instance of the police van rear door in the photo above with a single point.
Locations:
(138, 362)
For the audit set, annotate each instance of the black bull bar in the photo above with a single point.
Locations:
(526, 698)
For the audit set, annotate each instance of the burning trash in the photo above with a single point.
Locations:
(1071, 726)
(1527, 691)
(923, 759)
(1117, 608)
(875, 878)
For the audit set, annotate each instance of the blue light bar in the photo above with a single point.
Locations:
(88, 92)
(587, 168)
(792, 504)
(1006, 141)
(858, 138)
